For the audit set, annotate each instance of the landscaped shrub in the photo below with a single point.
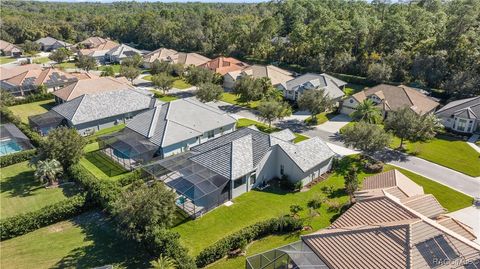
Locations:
(237, 240)
(372, 166)
(137, 174)
(30, 99)
(100, 192)
(27, 222)
(17, 157)
(315, 203)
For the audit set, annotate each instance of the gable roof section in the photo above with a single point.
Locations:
(161, 54)
(392, 181)
(223, 65)
(425, 204)
(396, 97)
(50, 41)
(92, 86)
(458, 105)
(122, 51)
(91, 107)
(322, 81)
(36, 77)
(285, 134)
(190, 58)
(8, 72)
(275, 74)
(8, 47)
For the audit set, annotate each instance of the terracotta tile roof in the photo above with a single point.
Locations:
(161, 54)
(456, 226)
(393, 182)
(425, 204)
(275, 74)
(223, 65)
(36, 77)
(99, 43)
(8, 47)
(81, 75)
(8, 72)
(396, 97)
(91, 86)
(189, 59)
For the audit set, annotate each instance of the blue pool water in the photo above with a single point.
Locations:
(120, 154)
(8, 147)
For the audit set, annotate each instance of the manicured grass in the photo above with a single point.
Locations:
(233, 99)
(259, 246)
(86, 241)
(450, 199)
(321, 118)
(300, 138)
(109, 130)
(91, 147)
(21, 192)
(26, 110)
(181, 84)
(261, 126)
(102, 166)
(166, 97)
(351, 88)
(41, 60)
(116, 68)
(66, 65)
(447, 151)
(6, 59)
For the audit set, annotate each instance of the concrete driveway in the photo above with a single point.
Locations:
(471, 217)
(335, 123)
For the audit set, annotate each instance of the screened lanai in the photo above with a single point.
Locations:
(43, 123)
(12, 139)
(128, 148)
(293, 256)
(198, 188)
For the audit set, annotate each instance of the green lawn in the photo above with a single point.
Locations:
(264, 128)
(100, 165)
(165, 97)
(351, 88)
(233, 99)
(35, 108)
(300, 138)
(108, 130)
(6, 59)
(86, 241)
(21, 192)
(116, 68)
(447, 151)
(321, 118)
(66, 65)
(178, 83)
(41, 60)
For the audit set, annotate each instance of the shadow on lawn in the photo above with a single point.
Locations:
(22, 184)
(105, 164)
(48, 106)
(107, 246)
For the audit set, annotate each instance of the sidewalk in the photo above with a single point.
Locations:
(472, 140)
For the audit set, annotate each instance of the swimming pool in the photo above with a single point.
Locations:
(121, 154)
(9, 146)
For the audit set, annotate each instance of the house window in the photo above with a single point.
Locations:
(210, 134)
(470, 125)
(253, 178)
(238, 182)
(461, 125)
(282, 169)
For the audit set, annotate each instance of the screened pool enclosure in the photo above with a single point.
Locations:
(198, 188)
(12, 140)
(293, 256)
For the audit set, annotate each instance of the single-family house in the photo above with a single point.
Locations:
(161, 54)
(9, 49)
(227, 166)
(389, 97)
(95, 47)
(223, 65)
(188, 59)
(89, 113)
(382, 231)
(168, 129)
(292, 89)
(21, 80)
(91, 86)
(120, 52)
(49, 43)
(276, 75)
(461, 115)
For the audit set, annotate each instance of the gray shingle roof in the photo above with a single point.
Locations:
(90, 107)
(323, 81)
(178, 121)
(48, 41)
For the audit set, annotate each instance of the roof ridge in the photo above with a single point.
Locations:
(78, 105)
(166, 123)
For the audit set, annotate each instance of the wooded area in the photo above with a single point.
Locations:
(427, 42)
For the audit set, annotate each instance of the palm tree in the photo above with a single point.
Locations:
(368, 112)
(47, 171)
(163, 263)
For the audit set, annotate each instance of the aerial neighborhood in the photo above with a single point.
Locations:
(237, 136)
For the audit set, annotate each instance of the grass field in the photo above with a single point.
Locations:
(447, 151)
(165, 97)
(66, 65)
(21, 192)
(321, 118)
(351, 88)
(86, 241)
(178, 83)
(41, 60)
(233, 99)
(108, 130)
(101, 166)
(116, 68)
(35, 108)
(264, 128)
(6, 59)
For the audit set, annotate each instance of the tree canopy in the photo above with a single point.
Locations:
(208, 92)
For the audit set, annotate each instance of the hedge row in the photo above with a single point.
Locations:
(8, 116)
(256, 231)
(17, 157)
(30, 99)
(100, 192)
(27, 222)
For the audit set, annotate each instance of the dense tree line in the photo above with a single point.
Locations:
(427, 42)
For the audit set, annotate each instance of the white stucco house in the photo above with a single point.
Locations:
(461, 115)
(293, 88)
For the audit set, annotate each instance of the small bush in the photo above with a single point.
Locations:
(315, 203)
(134, 176)
(237, 240)
(29, 99)
(17, 157)
(373, 166)
(333, 206)
(24, 223)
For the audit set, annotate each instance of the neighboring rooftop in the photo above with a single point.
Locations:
(92, 86)
(331, 85)
(50, 41)
(223, 65)
(123, 51)
(99, 43)
(275, 74)
(189, 59)
(178, 120)
(466, 108)
(161, 54)
(8, 47)
(12, 71)
(90, 107)
(396, 97)
(31, 76)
